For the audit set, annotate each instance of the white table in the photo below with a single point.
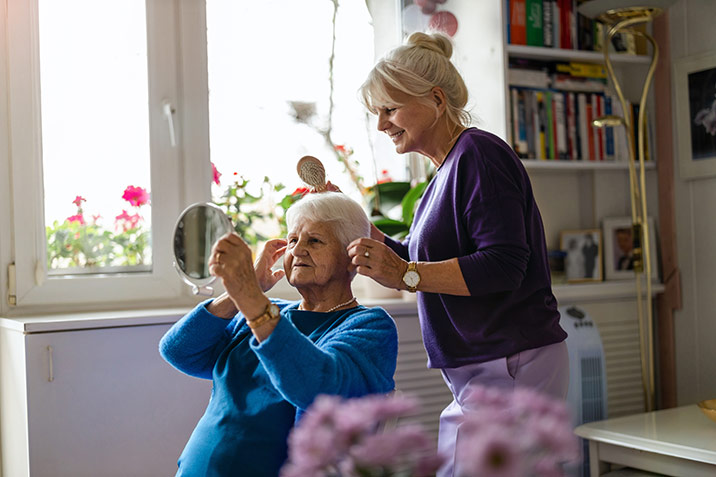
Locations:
(679, 441)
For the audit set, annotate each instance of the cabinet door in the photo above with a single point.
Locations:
(103, 402)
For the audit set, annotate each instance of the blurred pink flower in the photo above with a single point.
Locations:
(76, 218)
(348, 437)
(216, 173)
(127, 222)
(78, 201)
(489, 453)
(136, 196)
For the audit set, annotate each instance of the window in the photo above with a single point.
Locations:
(94, 94)
(108, 94)
(283, 85)
(87, 82)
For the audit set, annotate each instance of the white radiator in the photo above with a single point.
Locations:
(412, 377)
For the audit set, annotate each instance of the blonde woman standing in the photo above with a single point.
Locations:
(476, 253)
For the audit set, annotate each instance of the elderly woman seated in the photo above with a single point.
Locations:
(270, 358)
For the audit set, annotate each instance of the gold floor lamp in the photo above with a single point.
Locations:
(622, 16)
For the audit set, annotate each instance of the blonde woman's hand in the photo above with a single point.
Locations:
(267, 258)
(376, 260)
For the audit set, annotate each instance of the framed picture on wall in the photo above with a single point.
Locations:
(618, 248)
(583, 262)
(695, 89)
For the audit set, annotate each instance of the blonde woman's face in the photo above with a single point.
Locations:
(409, 123)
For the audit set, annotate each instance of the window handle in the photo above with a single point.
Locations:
(169, 115)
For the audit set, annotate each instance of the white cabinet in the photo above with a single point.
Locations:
(89, 397)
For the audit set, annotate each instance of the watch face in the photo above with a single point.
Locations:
(273, 310)
(411, 278)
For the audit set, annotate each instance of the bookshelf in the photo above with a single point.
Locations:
(577, 193)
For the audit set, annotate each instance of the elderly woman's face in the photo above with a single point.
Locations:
(408, 125)
(314, 255)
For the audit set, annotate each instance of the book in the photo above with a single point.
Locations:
(572, 138)
(542, 122)
(589, 117)
(550, 123)
(534, 22)
(565, 24)
(518, 19)
(560, 133)
(608, 131)
(583, 131)
(548, 23)
(530, 78)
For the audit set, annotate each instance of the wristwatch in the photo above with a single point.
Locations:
(271, 313)
(411, 278)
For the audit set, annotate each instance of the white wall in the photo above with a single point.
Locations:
(692, 33)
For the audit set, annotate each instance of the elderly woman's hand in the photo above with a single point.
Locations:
(232, 262)
(272, 251)
(376, 260)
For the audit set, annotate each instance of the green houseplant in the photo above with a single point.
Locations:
(392, 206)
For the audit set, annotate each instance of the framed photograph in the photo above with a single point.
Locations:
(618, 245)
(583, 262)
(695, 94)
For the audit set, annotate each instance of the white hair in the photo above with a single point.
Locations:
(347, 218)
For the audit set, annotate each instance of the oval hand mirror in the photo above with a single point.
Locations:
(196, 231)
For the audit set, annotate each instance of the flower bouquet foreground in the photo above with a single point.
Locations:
(520, 433)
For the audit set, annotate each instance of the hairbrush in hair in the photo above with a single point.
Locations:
(312, 172)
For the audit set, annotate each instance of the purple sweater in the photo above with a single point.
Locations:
(479, 208)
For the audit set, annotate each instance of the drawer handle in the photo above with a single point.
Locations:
(51, 376)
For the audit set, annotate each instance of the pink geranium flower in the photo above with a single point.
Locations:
(137, 196)
(76, 218)
(127, 222)
(78, 201)
(216, 173)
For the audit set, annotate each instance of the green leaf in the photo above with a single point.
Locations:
(411, 200)
(390, 194)
(391, 227)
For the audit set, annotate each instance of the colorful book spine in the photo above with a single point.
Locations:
(548, 23)
(560, 133)
(589, 117)
(551, 122)
(609, 130)
(535, 32)
(583, 131)
(572, 137)
(518, 22)
(541, 133)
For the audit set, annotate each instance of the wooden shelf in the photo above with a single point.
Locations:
(601, 291)
(557, 165)
(541, 53)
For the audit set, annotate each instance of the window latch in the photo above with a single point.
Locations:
(169, 115)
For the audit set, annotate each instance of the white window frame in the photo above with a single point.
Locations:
(179, 175)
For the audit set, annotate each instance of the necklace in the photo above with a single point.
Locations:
(300, 307)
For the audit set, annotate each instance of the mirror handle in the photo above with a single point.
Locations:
(202, 291)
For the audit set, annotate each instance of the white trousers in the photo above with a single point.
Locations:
(544, 369)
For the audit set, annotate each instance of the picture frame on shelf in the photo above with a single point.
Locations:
(695, 90)
(583, 262)
(618, 243)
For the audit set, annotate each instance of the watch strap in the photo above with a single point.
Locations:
(263, 318)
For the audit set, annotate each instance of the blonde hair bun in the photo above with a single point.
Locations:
(436, 42)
